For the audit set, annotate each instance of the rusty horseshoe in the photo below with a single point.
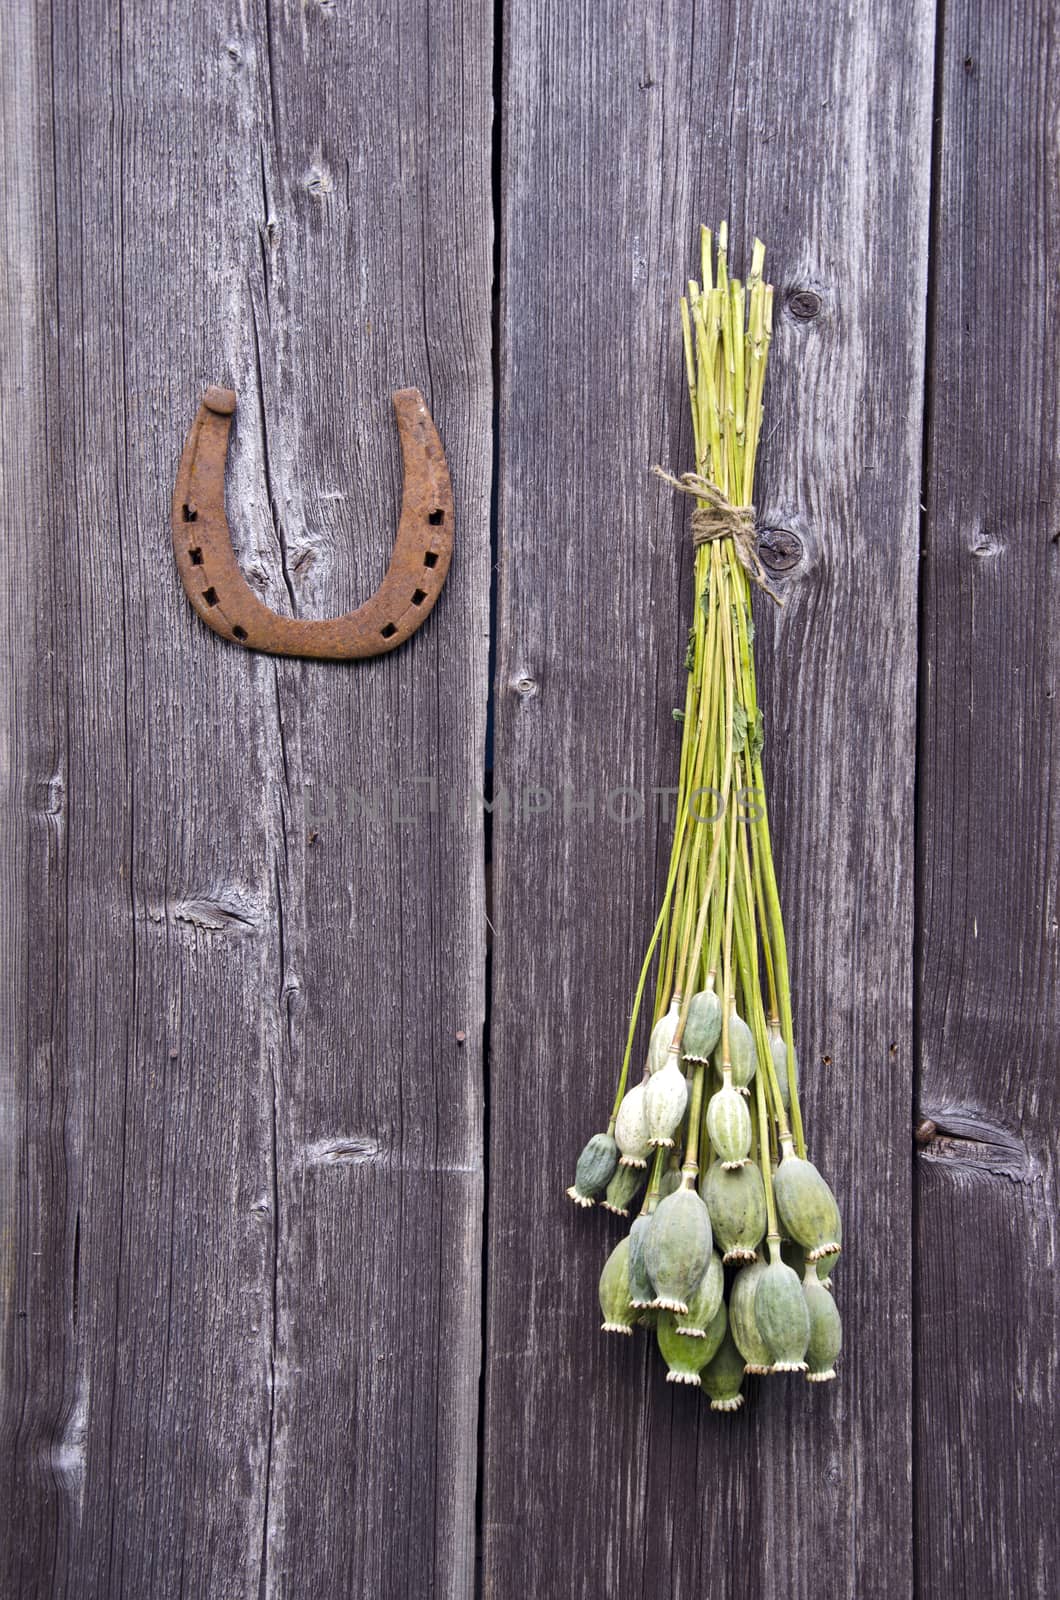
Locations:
(222, 596)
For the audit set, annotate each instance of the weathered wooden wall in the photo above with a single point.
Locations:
(242, 1323)
(242, 1172)
(622, 135)
(988, 922)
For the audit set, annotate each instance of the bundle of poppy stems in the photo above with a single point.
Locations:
(728, 1262)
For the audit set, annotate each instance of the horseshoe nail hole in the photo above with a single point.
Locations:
(195, 557)
(189, 513)
(210, 596)
(419, 597)
(389, 631)
(436, 518)
(239, 633)
(430, 559)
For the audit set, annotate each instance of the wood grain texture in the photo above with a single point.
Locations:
(241, 1264)
(623, 131)
(989, 824)
(241, 900)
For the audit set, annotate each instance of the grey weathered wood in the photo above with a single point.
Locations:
(989, 821)
(242, 1139)
(240, 1184)
(623, 131)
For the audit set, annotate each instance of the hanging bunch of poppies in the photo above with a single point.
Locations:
(728, 1260)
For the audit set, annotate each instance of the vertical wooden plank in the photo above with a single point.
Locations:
(624, 131)
(241, 1340)
(989, 809)
(32, 837)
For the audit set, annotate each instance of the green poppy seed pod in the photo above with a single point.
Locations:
(666, 1097)
(795, 1256)
(631, 1127)
(684, 1357)
(742, 1057)
(662, 1036)
(722, 1377)
(619, 1315)
(779, 1051)
(702, 1026)
(641, 1293)
(704, 1301)
(595, 1169)
(736, 1200)
(677, 1249)
(670, 1180)
(825, 1267)
(729, 1125)
(782, 1317)
(826, 1330)
(719, 1327)
(742, 1321)
(622, 1189)
(827, 1263)
(807, 1206)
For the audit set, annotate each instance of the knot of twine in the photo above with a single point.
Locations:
(717, 518)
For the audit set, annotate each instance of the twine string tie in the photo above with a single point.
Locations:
(715, 517)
